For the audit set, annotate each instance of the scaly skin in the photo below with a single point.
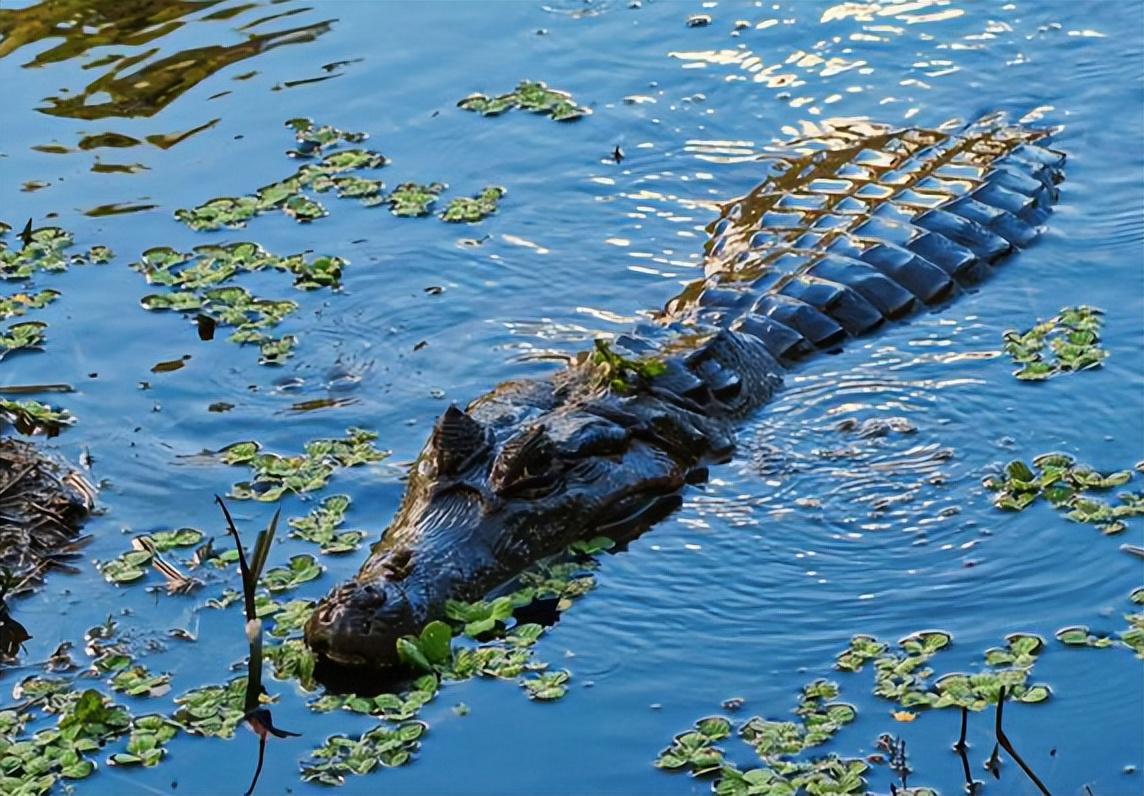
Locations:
(860, 226)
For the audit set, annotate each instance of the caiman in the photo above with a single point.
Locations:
(852, 228)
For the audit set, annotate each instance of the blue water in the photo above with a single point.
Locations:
(751, 588)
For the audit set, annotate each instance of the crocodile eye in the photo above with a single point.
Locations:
(457, 441)
(526, 463)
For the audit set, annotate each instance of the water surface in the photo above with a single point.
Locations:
(761, 578)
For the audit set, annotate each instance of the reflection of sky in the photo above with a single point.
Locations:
(811, 534)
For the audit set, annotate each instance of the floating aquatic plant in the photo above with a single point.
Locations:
(301, 569)
(25, 336)
(1131, 637)
(18, 304)
(146, 744)
(1072, 338)
(145, 549)
(313, 139)
(341, 755)
(288, 194)
(411, 199)
(532, 96)
(213, 710)
(902, 675)
(33, 765)
(468, 210)
(321, 525)
(44, 250)
(198, 282)
(776, 743)
(1068, 487)
(274, 476)
(33, 417)
(138, 681)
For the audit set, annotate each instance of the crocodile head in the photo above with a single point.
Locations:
(496, 488)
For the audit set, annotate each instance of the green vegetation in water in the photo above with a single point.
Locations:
(613, 371)
(300, 569)
(132, 565)
(18, 304)
(43, 251)
(1068, 487)
(902, 676)
(33, 417)
(777, 743)
(328, 168)
(313, 139)
(1131, 637)
(1072, 338)
(25, 336)
(198, 285)
(380, 746)
(532, 96)
(411, 199)
(321, 525)
(213, 710)
(274, 476)
(38, 251)
(471, 210)
(444, 652)
(86, 722)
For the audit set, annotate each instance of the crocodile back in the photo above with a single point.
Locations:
(857, 226)
(864, 226)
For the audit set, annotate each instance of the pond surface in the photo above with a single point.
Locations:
(753, 587)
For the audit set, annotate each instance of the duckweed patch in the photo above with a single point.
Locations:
(25, 336)
(146, 744)
(1069, 488)
(40, 251)
(274, 476)
(1072, 340)
(18, 304)
(470, 210)
(321, 526)
(529, 95)
(198, 286)
(332, 168)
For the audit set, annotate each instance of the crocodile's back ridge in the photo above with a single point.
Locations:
(862, 226)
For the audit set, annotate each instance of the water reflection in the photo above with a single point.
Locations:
(149, 89)
(137, 84)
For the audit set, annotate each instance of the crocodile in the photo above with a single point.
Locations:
(855, 226)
